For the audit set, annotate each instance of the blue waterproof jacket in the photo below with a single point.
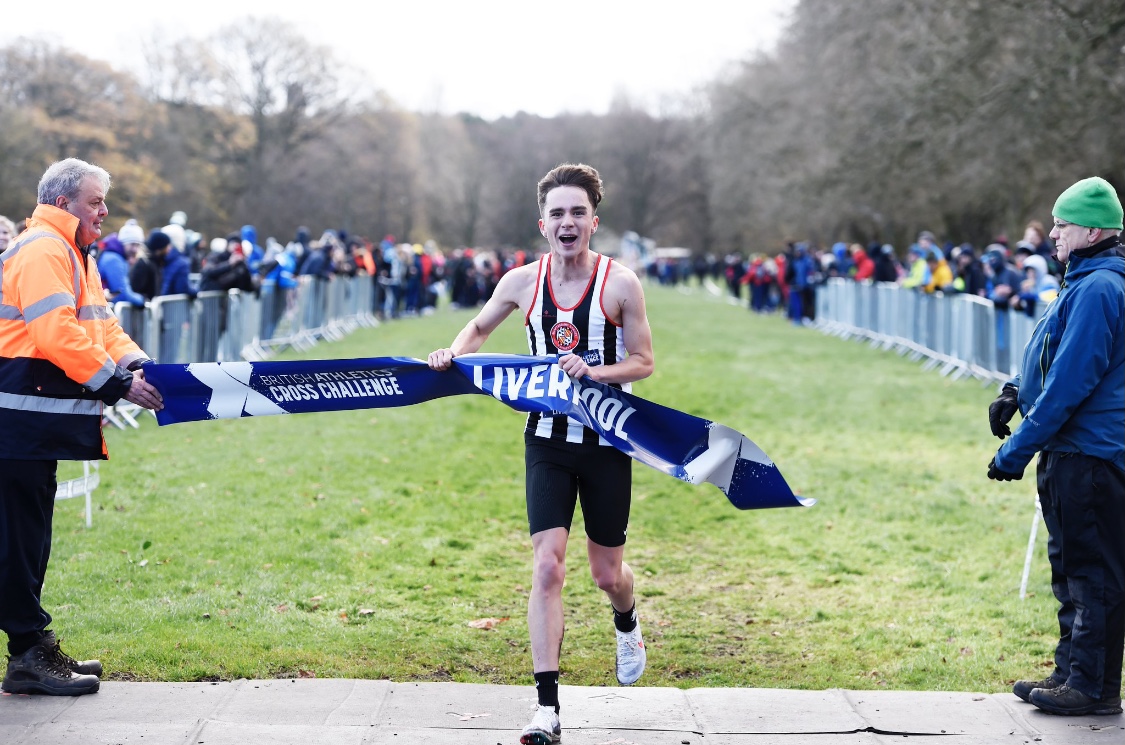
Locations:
(114, 268)
(254, 258)
(283, 275)
(1072, 380)
(176, 274)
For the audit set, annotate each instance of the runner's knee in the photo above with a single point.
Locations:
(549, 572)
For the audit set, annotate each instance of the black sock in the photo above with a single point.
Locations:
(626, 621)
(547, 686)
(20, 643)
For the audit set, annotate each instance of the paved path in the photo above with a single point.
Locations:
(375, 712)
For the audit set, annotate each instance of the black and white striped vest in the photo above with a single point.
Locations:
(582, 329)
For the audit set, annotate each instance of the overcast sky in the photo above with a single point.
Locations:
(489, 57)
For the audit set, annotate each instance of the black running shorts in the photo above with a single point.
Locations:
(559, 473)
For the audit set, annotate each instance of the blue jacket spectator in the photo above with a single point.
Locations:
(1004, 280)
(318, 264)
(1068, 387)
(282, 270)
(114, 268)
(176, 267)
(803, 266)
(177, 271)
(299, 246)
(842, 260)
(255, 254)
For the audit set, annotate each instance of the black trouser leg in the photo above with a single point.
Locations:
(1087, 498)
(1058, 578)
(27, 506)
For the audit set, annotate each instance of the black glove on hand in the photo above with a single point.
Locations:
(1001, 411)
(996, 474)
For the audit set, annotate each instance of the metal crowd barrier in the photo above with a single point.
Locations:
(82, 487)
(170, 329)
(959, 334)
(219, 326)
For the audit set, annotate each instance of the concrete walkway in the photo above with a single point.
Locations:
(370, 712)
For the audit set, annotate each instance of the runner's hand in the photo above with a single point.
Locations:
(440, 359)
(574, 366)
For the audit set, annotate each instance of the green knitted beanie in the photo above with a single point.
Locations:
(1091, 203)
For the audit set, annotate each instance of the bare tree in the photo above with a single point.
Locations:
(104, 119)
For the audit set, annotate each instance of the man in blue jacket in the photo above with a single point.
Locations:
(1071, 393)
(114, 268)
(176, 269)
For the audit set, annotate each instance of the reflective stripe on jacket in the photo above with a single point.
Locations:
(62, 352)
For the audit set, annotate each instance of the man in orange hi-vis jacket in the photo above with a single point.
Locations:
(63, 356)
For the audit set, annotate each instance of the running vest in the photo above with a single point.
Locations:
(582, 329)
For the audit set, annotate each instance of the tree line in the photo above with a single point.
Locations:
(868, 122)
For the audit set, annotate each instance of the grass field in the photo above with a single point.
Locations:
(362, 544)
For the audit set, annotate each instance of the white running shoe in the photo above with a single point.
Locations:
(544, 728)
(631, 656)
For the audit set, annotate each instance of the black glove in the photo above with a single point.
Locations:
(1001, 411)
(996, 474)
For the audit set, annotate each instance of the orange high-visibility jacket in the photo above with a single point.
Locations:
(63, 354)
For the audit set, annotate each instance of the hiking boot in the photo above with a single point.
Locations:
(1069, 702)
(39, 670)
(544, 728)
(631, 656)
(1023, 688)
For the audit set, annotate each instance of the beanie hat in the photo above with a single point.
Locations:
(157, 240)
(218, 245)
(112, 244)
(131, 232)
(1090, 203)
(177, 235)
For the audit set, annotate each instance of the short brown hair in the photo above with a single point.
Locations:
(573, 174)
(1038, 228)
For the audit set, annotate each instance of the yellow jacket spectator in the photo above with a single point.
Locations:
(941, 276)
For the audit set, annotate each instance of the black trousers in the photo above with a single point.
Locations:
(1083, 500)
(27, 507)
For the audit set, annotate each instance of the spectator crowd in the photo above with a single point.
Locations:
(409, 279)
(1023, 278)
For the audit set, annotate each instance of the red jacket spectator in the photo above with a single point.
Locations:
(864, 266)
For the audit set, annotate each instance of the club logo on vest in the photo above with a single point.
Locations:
(564, 336)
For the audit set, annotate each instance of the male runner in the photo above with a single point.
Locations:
(590, 311)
